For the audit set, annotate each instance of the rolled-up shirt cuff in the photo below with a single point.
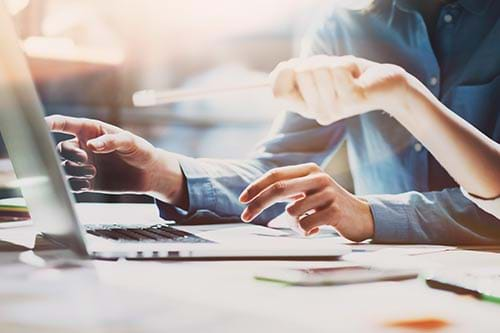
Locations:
(391, 220)
(170, 212)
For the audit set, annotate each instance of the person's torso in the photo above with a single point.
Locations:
(461, 68)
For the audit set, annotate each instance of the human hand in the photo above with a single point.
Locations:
(329, 88)
(104, 158)
(316, 200)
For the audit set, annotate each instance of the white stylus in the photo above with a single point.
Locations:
(145, 98)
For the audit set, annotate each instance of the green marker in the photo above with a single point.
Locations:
(461, 290)
(490, 298)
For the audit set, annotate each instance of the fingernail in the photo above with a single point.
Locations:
(244, 196)
(97, 144)
(246, 216)
(313, 231)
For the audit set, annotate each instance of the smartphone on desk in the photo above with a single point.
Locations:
(331, 276)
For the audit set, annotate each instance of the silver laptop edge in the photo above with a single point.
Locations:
(37, 166)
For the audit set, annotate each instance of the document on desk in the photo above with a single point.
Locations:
(250, 236)
(414, 257)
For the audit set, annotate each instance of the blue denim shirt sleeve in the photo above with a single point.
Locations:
(408, 217)
(444, 217)
(214, 185)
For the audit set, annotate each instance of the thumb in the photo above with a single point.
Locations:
(122, 142)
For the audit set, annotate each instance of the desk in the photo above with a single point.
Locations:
(100, 296)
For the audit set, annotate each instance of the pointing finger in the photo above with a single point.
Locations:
(274, 176)
(63, 124)
(280, 191)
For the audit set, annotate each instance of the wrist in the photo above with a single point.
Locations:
(399, 98)
(361, 222)
(413, 96)
(368, 220)
(167, 182)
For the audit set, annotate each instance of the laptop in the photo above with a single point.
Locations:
(51, 204)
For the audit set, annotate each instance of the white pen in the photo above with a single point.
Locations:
(147, 98)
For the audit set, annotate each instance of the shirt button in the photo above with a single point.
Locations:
(448, 18)
(418, 147)
(433, 81)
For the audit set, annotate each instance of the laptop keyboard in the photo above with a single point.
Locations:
(155, 233)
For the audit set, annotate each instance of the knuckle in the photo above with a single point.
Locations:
(273, 174)
(279, 187)
(66, 145)
(313, 167)
(57, 118)
(329, 193)
(397, 71)
(283, 65)
(130, 139)
(54, 119)
(333, 207)
(349, 61)
(322, 179)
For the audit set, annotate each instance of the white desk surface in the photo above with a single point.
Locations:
(126, 296)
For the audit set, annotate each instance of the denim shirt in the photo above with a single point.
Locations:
(402, 182)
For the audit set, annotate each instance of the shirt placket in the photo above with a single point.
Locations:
(443, 49)
(432, 80)
(444, 41)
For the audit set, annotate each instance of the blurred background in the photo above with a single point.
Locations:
(88, 57)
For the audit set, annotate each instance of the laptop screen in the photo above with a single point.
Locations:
(31, 147)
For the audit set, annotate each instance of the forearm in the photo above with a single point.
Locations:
(470, 157)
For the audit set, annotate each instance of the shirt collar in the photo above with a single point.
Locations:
(475, 6)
